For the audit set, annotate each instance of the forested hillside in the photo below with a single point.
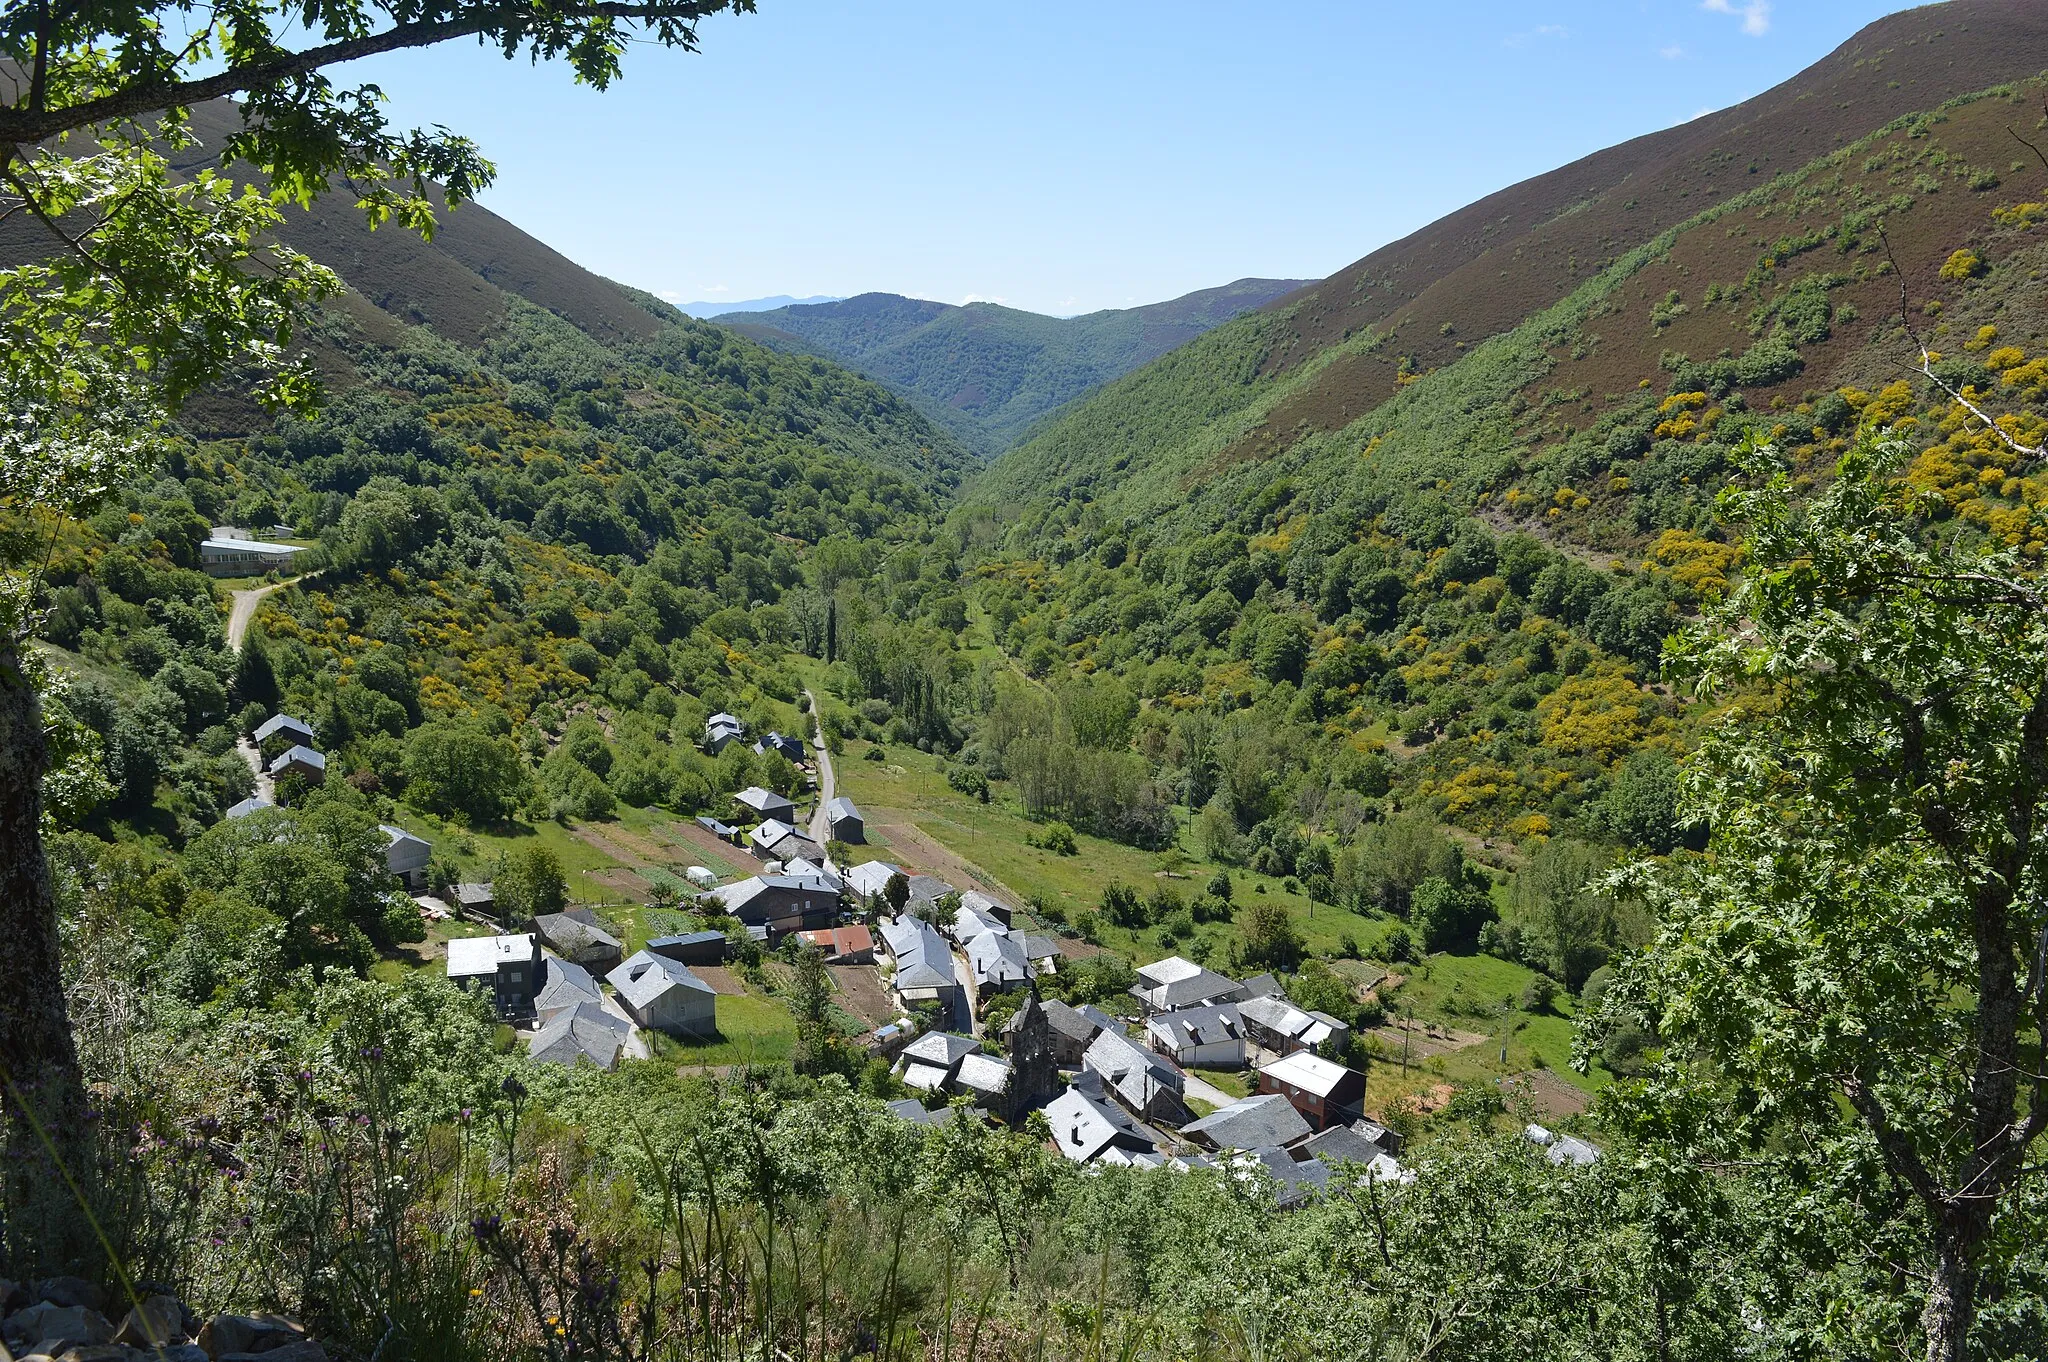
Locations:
(988, 372)
(1466, 587)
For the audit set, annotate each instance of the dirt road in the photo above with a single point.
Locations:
(244, 610)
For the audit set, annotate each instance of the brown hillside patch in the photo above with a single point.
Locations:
(1487, 267)
(720, 979)
(1553, 1098)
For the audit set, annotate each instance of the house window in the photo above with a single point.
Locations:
(515, 977)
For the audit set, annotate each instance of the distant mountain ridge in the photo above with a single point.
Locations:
(709, 309)
(989, 373)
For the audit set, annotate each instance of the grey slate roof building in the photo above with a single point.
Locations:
(294, 729)
(691, 948)
(1209, 1037)
(1292, 1183)
(1087, 1125)
(998, 962)
(248, 806)
(1074, 1029)
(473, 897)
(1173, 983)
(933, 1060)
(789, 747)
(720, 729)
(1280, 1026)
(299, 760)
(1149, 1086)
(1342, 1144)
(924, 963)
(585, 1033)
(1263, 986)
(929, 889)
(845, 820)
(406, 855)
(1042, 951)
(564, 985)
(576, 935)
(1249, 1123)
(869, 879)
(662, 995)
(764, 804)
(779, 903)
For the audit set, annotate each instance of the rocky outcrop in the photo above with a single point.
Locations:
(64, 1319)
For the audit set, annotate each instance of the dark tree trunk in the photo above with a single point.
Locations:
(44, 1096)
(1950, 1304)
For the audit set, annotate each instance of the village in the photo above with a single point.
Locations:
(1129, 1081)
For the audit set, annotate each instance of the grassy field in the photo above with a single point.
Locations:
(752, 1030)
(993, 839)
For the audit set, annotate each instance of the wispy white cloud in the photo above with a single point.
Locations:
(1671, 53)
(1540, 31)
(670, 295)
(1755, 14)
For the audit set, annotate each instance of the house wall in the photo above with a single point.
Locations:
(682, 1011)
(1219, 1055)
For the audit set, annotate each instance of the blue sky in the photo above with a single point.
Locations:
(1078, 154)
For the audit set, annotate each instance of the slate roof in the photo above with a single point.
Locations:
(1561, 1149)
(1263, 986)
(1285, 1019)
(284, 723)
(1296, 1182)
(929, 889)
(470, 894)
(1310, 1073)
(969, 924)
(1341, 1144)
(572, 935)
(564, 984)
(943, 1049)
(645, 977)
(841, 807)
(248, 806)
(1084, 1125)
(583, 1032)
(767, 803)
(1216, 1024)
(801, 869)
(983, 1074)
(923, 960)
(1138, 1075)
(300, 754)
(997, 959)
(739, 894)
(1038, 947)
(869, 878)
(1176, 983)
(1249, 1123)
(1076, 1023)
(988, 906)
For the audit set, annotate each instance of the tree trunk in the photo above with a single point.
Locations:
(1950, 1304)
(44, 1099)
